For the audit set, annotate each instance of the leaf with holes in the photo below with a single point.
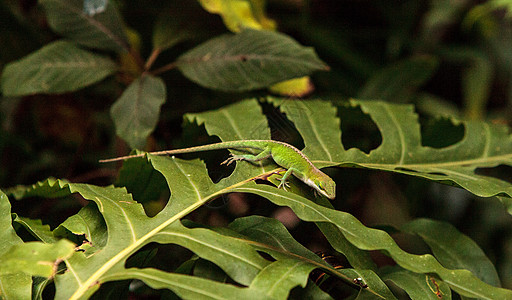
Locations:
(484, 145)
(238, 254)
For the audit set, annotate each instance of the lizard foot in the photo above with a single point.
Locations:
(233, 158)
(284, 184)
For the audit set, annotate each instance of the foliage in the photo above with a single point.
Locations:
(421, 158)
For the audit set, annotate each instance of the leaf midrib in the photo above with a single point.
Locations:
(474, 161)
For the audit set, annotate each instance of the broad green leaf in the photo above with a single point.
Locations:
(13, 286)
(272, 237)
(103, 30)
(129, 229)
(462, 281)
(248, 60)
(398, 81)
(483, 145)
(418, 286)
(453, 249)
(35, 258)
(58, 67)
(135, 113)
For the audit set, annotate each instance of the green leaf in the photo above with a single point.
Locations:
(189, 287)
(484, 145)
(102, 31)
(37, 229)
(14, 286)
(279, 277)
(58, 67)
(272, 237)
(462, 281)
(129, 229)
(399, 81)
(135, 113)
(418, 286)
(453, 249)
(88, 222)
(248, 60)
(35, 258)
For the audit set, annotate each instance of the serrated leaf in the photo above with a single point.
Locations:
(325, 145)
(272, 237)
(135, 113)
(58, 67)
(454, 249)
(248, 60)
(103, 30)
(462, 281)
(14, 286)
(401, 151)
(129, 228)
(35, 258)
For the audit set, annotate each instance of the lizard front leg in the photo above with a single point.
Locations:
(248, 157)
(284, 183)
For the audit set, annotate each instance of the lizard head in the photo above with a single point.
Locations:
(324, 185)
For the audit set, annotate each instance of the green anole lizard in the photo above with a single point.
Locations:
(285, 155)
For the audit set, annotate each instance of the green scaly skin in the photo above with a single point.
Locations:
(283, 154)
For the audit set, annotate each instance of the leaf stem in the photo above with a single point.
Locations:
(156, 52)
(165, 68)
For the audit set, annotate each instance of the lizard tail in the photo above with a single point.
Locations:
(253, 144)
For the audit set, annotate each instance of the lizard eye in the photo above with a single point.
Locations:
(320, 184)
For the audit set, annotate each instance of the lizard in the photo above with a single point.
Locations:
(285, 155)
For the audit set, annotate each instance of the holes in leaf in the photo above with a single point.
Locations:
(195, 135)
(441, 133)
(406, 170)
(281, 128)
(437, 173)
(501, 172)
(358, 130)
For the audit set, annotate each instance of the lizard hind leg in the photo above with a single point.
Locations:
(248, 157)
(233, 158)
